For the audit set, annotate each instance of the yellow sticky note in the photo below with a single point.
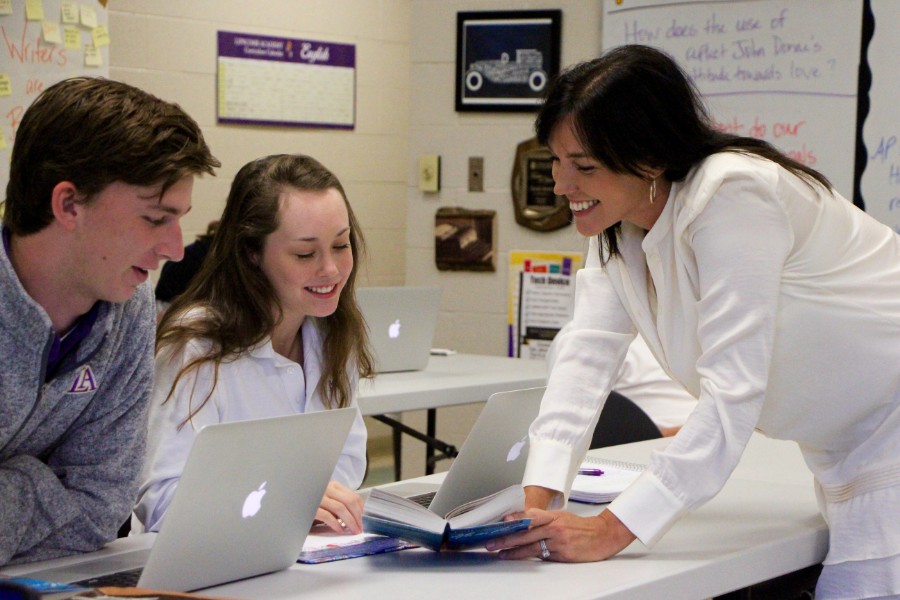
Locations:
(73, 38)
(5, 85)
(6, 7)
(100, 35)
(2, 147)
(51, 32)
(92, 57)
(88, 16)
(34, 10)
(69, 12)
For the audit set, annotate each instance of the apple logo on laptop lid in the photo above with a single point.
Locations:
(516, 450)
(394, 330)
(253, 502)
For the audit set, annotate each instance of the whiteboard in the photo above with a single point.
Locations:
(784, 71)
(32, 63)
(880, 183)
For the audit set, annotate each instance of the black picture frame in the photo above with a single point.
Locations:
(505, 59)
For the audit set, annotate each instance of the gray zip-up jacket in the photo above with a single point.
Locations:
(71, 448)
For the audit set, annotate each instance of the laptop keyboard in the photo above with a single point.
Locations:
(128, 578)
(423, 499)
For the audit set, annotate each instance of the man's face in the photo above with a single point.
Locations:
(126, 231)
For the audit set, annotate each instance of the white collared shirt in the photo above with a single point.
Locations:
(779, 308)
(259, 384)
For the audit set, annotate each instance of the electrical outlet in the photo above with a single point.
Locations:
(430, 173)
(476, 173)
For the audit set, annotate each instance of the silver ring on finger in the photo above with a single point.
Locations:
(545, 551)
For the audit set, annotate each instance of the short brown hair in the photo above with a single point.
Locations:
(93, 132)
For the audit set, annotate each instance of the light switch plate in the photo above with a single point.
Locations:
(430, 173)
(476, 173)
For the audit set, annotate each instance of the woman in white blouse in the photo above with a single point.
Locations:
(771, 298)
(268, 327)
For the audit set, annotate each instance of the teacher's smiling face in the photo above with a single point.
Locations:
(599, 197)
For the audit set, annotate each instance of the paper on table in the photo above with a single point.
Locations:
(599, 489)
(327, 547)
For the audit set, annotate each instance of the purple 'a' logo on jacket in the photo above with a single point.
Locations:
(84, 381)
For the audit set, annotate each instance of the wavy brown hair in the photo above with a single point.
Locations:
(237, 299)
(634, 108)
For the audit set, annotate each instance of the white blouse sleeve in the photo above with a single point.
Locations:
(169, 439)
(587, 354)
(351, 466)
(739, 243)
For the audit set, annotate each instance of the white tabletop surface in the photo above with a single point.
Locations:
(448, 381)
(764, 523)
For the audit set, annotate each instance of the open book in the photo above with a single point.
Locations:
(466, 526)
(610, 479)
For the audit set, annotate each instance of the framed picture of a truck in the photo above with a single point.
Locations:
(505, 59)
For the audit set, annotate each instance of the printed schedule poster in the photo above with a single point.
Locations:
(264, 80)
(542, 295)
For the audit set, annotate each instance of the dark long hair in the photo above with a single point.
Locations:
(237, 298)
(634, 108)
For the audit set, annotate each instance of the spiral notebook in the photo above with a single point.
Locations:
(610, 479)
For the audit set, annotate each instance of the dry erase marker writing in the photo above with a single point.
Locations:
(590, 472)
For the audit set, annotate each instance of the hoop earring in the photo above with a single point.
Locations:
(652, 190)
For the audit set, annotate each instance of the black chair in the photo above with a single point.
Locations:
(621, 422)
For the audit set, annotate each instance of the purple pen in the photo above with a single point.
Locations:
(590, 472)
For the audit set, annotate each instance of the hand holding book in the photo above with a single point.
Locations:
(466, 526)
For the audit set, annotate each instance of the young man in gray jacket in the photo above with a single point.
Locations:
(100, 175)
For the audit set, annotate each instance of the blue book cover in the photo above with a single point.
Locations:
(448, 539)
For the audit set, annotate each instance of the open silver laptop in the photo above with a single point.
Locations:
(493, 456)
(243, 507)
(401, 323)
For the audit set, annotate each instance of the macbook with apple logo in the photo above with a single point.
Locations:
(492, 457)
(243, 506)
(401, 322)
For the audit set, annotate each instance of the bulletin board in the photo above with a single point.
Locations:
(881, 130)
(43, 42)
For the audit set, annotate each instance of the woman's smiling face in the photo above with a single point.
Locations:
(598, 197)
(308, 259)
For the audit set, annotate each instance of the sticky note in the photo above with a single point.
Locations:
(5, 85)
(34, 10)
(6, 7)
(92, 57)
(51, 33)
(73, 38)
(2, 147)
(69, 12)
(100, 35)
(88, 16)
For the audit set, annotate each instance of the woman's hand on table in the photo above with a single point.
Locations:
(566, 537)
